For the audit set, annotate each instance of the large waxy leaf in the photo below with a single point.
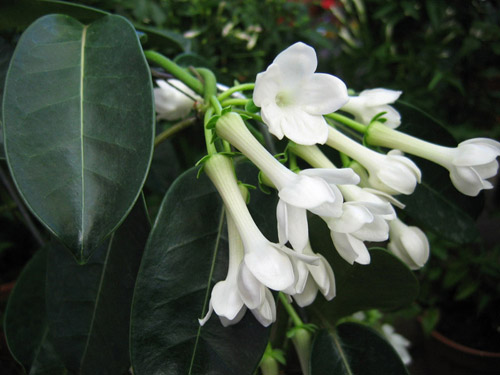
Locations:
(26, 327)
(89, 313)
(186, 253)
(436, 204)
(5, 54)
(78, 125)
(354, 349)
(386, 283)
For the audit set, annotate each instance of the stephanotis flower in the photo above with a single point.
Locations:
(470, 164)
(409, 244)
(392, 173)
(293, 98)
(312, 190)
(370, 103)
(240, 290)
(171, 101)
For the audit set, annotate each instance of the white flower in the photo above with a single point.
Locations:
(313, 278)
(370, 103)
(398, 342)
(240, 290)
(171, 101)
(409, 244)
(470, 164)
(293, 98)
(392, 173)
(312, 189)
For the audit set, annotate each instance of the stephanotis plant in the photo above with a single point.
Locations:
(242, 242)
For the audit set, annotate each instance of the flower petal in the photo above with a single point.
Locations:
(308, 295)
(472, 154)
(322, 94)
(226, 300)
(294, 229)
(350, 248)
(302, 127)
(251, 290)
(267, 85)
(353, 217)
(307, 192)
(324, 277)
(379, 96)
(266, 313)
(468, 181)
(342, 176)
(296, 62)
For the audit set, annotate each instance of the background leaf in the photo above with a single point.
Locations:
(386, 283)
(185, 255)
(354, 349)
(5, 55)
(26, 327)
(89, 313)
(79, 126)
(436, 204)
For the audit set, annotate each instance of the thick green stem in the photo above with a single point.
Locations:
(163, 136)
(348, 122)
(232, 90)
(211, 150)
(209, 84)
(235, 101)
(175, 70)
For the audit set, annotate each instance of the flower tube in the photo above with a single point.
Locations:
(391, 173)
(470, 164)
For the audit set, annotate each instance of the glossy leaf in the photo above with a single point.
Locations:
(436, 204)
(78, 118)
(185, 255)
(89, 313)
(354, 349)
(26, 327)
(386, 283)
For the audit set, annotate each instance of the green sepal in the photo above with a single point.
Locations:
(251, 107)
(379, 117)
(262, 186)
(226, 110)
(308, 327)
(244, 116)
(212, 122)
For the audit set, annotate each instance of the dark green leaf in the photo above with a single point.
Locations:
(386, 283)
(89, 312)
(5, 54)
(354, 349)
(78, 119)
(192, 59)
(436, 204)
(26, 327)
(185, 255)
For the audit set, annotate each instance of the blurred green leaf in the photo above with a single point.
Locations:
(352, 348)
(88, 305)
(5, 55)
(185, 255)
(79, 125)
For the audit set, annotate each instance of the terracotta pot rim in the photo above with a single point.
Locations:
(466, 349)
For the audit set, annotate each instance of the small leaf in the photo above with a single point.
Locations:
(78, 125)
(212, 122)
(185, 255)
(89, 313)
(26, 328)
(351, 349)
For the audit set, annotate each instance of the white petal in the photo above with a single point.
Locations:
(251, 290)
(380, 96)
(296, 229)
(269, 265)
(329, 210)
(487, 170)
(467, 181)
(309, 259)
(353, 218)
(322, 94)
(302, 127)
(350, 248)
(266, 313)
(472, 154)
(282, 221)
(416, 245)
(392, 116)
(324, 277)
(267, 85)
(377, 231)
(273, 117)
(226, 300)
(207, 315)
(296, 62)
(227, 322)
(307, 193)
(342, 176)
(308, 295)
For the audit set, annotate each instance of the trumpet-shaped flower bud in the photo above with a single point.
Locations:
(470, 164)
(370, 103)
(392, 173)
(318, 277)
(293, 98)
(409, 244)
(240, 290)
(312, 189)
(171, 101)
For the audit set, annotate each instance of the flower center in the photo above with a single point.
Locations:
(284, 99)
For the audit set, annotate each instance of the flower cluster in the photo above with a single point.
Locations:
(304, 106)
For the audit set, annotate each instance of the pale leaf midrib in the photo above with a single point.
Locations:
(82, 72)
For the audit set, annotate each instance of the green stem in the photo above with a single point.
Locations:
(211, 150)
(175, 70)
(235, 101)
(345, 160)
(249, 114)
(210, 83)
(163, 136)
(237, 88)
(290, 310)
(348, 121)
(216, 105)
